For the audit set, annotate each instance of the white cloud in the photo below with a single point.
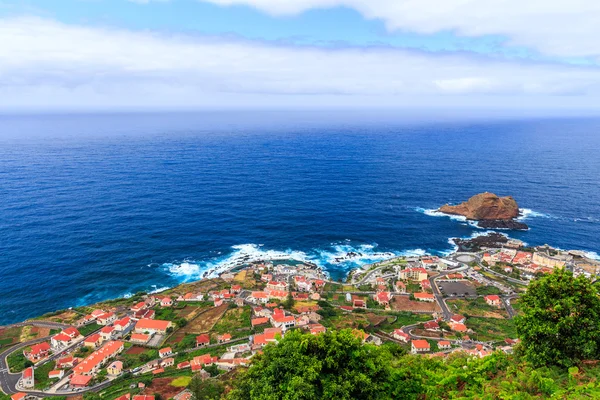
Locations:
(46, 63)
(555, 27)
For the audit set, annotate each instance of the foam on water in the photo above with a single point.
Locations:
(435, 213)
(529, 213)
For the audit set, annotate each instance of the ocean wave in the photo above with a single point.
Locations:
(435, 213)
(591, 255)
(526, 213)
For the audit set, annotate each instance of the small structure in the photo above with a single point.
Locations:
(27, 378)
(165, 352)
(56, 374)
(202, 340)
(444, 344)
(80, 381)
(115, 368)
(493, 300)
(419, 346)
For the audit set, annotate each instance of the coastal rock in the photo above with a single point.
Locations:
(502, 224)
(485, 206)
(480, 242)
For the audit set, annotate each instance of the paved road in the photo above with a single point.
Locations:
(8, 380)
(507, 278)
(438, 295)
(509, 309)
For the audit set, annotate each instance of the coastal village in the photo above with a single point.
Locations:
(148, 346)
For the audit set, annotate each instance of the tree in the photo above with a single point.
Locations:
(331, 365)
(560, 324)
(289, 302)
(207, 389)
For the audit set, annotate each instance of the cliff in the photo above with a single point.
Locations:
(485, 206)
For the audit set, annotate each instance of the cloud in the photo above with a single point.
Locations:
(568, 28)
(47, 63)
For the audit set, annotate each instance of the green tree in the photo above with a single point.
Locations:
(289, 302)
(560, 324)
(207, 389)
(332, 365)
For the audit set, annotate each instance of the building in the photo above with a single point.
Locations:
(400, 335)
(202, 340)
(166, 352)
(167, 362)
(226, 337)
(115, 368)
(92, 363)
(152, 326)
(544, 259)
(79, 381)
(258, 298)
(414, 274)
(198, 362)
(274, 285)
(18, 396)
(65, 338)
(493, 300)
(358, 303)
(56, 374)
(166, 302)
(107, 332)
(315, 329)
(140, 338)
(424, 297)
(401, 287)
(457, 319)
(383, 298)
(431, 326)
(268, 336)
(121, 324)
(106, 318)
(138, 307)
(38, 352)
(419, 346)
(444, 344)
(93, 341)
(280, 320)
(28, 377)
(259, 321)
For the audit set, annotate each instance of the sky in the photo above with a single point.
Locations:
(189, 54)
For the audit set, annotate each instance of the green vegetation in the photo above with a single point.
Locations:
(10, 336)
(182, 381)
(492, 329)
(41, 376)
(170, 314)
(560, 324)
(235, 321)
(209, 389)
(476, 308)
(87, 329)
(135, 360)
(487, 290)
(333, 365)
(17, 361)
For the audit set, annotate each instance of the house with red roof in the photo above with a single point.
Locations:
(93, 341)
(38, 352)
(280, 320)
(401, 287)
(143, 397)
(268, 336)
(140, 338)
(152, 326)
(315, 329)
(122, 324)
(106, 318)
(444, 344)
(66, 362)
(226, 337)
(236, 289)
(28, 377)
(493, 300)
(428, 297)
(65, 338)
(419, 346)
(144, 314)
(79, 381)
(357, 303)
(202, 340)
(400, 335)
(56, 374)
(259, 321)
(459, 327)
(107, 332)
(183, 365)
(18, 396)
(138, 307)
(166, 302)
(165, 352)
(457, 319)
(200, 361)
(259, 298)
(383, 298)
(431, 326)
(425, 285)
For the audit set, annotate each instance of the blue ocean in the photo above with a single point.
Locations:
(97, 206)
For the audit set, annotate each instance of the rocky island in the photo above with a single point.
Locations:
(489, 210)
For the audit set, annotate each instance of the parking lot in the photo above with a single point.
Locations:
(457, 289)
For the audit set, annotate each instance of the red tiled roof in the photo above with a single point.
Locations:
(110, 349)
(80, 380)
(152, 324)
(420, 344)
(204, 338)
